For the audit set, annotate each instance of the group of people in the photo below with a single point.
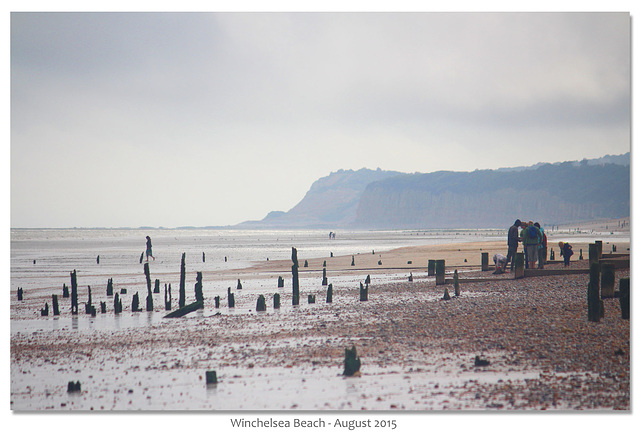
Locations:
(534, 242)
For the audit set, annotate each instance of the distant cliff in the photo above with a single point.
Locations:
(378, 199)
(489, 198)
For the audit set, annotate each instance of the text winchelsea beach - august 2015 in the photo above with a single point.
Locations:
(349, 424)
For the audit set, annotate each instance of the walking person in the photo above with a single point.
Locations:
(149, 253)
(531, 237)
(512, 242)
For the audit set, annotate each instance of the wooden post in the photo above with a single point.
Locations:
(103, 307)
(261, 305)
(65, 291)
(599, 244)
(98, 260)
(519, 261)
(141, 257)
(110, 287)
(625, 299)
(202, 256)
(294, 280)
(149, 294)
(280, 282)
(456, 283)
(178, 313)
(593, 254)
(56, 310)
(198, 287)
(211, 377)
(167, 297)
(117, 304)
(88, 306)
(74, 293)
(239, 285)
(410, 276)
(306, 263)
(485, 261)
(440, 269)
(581, 257)
(595, 306)
(276, 301)
(216, 301)
(324, 277)
(607, 280)
(156, 287)
(431, 267)
(364, 292)
(446, 295)
(45, 311)
(330, 293)
(135, 303)
(182, 295)
(311, 299)
(351, 362)
(231, 299)
(353, 261)
(20, 294)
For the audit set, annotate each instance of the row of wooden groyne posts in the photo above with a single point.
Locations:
(601, 285)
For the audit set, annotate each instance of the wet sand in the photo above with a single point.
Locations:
(417, 350)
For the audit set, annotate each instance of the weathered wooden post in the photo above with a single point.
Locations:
(141, 257)
(239, 285)
(198, 287)
(103, 307)
(203, 257)
(581, 257)
(306, 263)
(593, 254)
(440, 269)
(211, 377)
(110, 287)
(56, 310)
(135, 303)
(456, 283)
(446, 295)
(276, 301)
(74, 293)
(311, 299)
(368, 279)
(261, 305)
(167, 297)
(117, 304)
(65, 291)
(410, 276)
(89, 305)
(73, 387)
(599, 244)
(625, 298)
(294, 272)
(353, 261)
(216, 301)
(607, 280)
(519, 269)
(330, 293)
(182, 295)
(280, 282)
(156, 287)
(231, 299)
(485, 261)
(324, 277)
(20, 294)
(351, 362)
(364, 292)
(595, 306)
(149, 294)
(45, 311)
(431, 267)
(98, 260)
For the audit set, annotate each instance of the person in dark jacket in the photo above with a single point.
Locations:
(512, 242)
(149, 253)
(566, 251)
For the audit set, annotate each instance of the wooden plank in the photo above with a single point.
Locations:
(185, 310)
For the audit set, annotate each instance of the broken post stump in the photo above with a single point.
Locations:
(607, 280)
(440, 267)
(552, 255)
(330, 293)
(261, 304)
(276, 301)
(598, 243)
(306, 263)
(593, 254)
(231, 299)
(182, 294)
(595, 307)
(54, 302)
(324, 277)
(311, 299)
(135, 303)
(103, 307)
(117, 304)
(625, 297)
(519, 268)
(45, 311)
(74, 293)
(65, 291)
(147, 275)
(167, 297)
(180, 312)
(198, 287)
(73, 387)
(20, 294)
(216, 301)
(410, 276)
(364, 292)
(239, 285)
(431, 267)
(156, 287)
(294, 282)
(456, 283)
(141, 257)
(280, 282)
(351, 362)
(446, 295)
(485, 261)
(368, 279)
(581, 257)
(110, 287)
(87, 306)
(211, 377)
(353, 261)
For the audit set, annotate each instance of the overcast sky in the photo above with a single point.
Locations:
(173, 119)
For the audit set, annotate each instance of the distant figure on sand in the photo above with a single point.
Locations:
(566, 251)
(512, 242)
(149, 253)
(501, 263)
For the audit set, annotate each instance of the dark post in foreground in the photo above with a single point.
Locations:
(56, 310)
(519, 261)
(593, 254)
(456, 284)
(595, 306)
(294, 271)
(149, 295)
(117, 304)
(607, 280)
(324, 277)
(210, 376)
(330, 293)
(88, 306)
(276, 301)
(182, 295)
(351, 362)
(231, 299)
(261, 304)
(198, 287)
(485, 261)
(167, 297)
(431, 267)
(624, 297)
(440, 265)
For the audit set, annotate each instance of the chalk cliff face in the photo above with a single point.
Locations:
(481, 199)
(377, 199)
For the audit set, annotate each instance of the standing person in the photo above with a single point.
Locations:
(512, 242)
(566, 251)
(524, 226)
(542, 247)
(149, 253)
(531, 236)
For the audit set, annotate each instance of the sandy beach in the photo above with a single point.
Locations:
(417, 350)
